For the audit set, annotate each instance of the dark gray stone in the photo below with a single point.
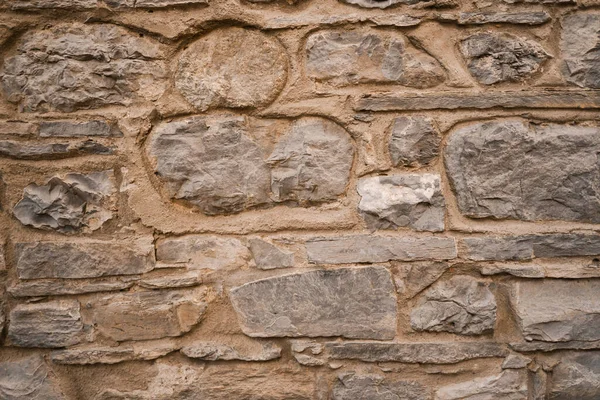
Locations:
(27, 379)
(523, 18)
(537, 346)
(566, 245)
(499, 248)
(580, 47)
(351, 386)
(51, 151)
(269, 256)
(414, 142)
(509, 385)
(577, 376)
(76, 129)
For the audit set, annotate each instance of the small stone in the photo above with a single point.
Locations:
(352, 386)
(16, 129)
(208, 351)
(414, 142)
(509, 385)
(186, 279)
(523, 18)
(167, 3)
(202, 252)
(498, 248)
(381, 3)
(535, 346)
(579, 45)
(576, 377)
(348, 302)
(269, 256)
(520, 270)
(28, 378)
(299, 346)
(308, 360)
(73, 129)
(27, 151)
(88, 355)
(413, 278)
(43, 4)
(58, 287)
(412, 200)
(515, 361)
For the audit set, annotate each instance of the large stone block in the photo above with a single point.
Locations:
(580, 50)
(28, 378)
(577, 376)
(414, 141)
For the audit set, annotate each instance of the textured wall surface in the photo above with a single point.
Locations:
(329, 200)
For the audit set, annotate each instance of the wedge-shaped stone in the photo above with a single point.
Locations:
(509, 385)
(348, 302)
(56, 287)
(580, 51)
(269, 256)
(576, 377)
(351, 386)
(28, 378)
(202, 252)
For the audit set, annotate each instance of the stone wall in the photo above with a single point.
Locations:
(336, 199)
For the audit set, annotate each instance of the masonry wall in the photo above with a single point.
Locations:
(353, 199)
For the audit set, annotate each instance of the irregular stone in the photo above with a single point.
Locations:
(57, 287)
(579, 45)
(76, 66)
(512, 169)
(515, 361)
(498, 248)
(523, 18)
(566, 245)
(520, 270)
(17, 129)
(412, 200)
(536, 346)
(50, 324)
(42, 4)
(84, 259)
(373, 249)
(209, 351)
(299, 346)
(348, 302)
(148, 315)
(311, 162)
(74, 129)
(576, 377)
(232, 67)
(381, 3)
(308, 360)
(367, 56)
(202, 252)
(167, 3)
(28, 378)
(414, 353)
(413, 278)
(558, 310)
(311, 18)
(27, 151)
(509, 385)
(269, 256)
(351, 386)
(187, 279)
(414, 142)
(68, 205)
(501, 57)
(112, 355)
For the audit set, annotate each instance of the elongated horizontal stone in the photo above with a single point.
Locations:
(28, 378)
(348, 302)
(311, 18)
(34, 151)
(91, 354)
(73, 129)
(89, 4)
(17, 129)
(42, 4)
(509, 385)
(351, 386)
(187, 279)
(498, 248)
(57, 287)
(566, 245)
(202, 252)
(523, 18)
(372, 249)
(209, 351)
(535, 346)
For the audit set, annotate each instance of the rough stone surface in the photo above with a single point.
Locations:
(501, 57)
(526, 18)
(509, 385)
(348, 302)
(414, 141)
(350, 386)
(580, 49)
(209, 351)
(28, 378)
(27, 151)
(413, 278)
(498, 248)
(72, 129)
(57, 287)
(381, 3)
(352, 57)
(412, 200)
(576, 377)
(42, 4)
(511, 169)
(223, 69)
(269, 256)
(202, 252)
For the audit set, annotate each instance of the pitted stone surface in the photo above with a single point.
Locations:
(232, 67)
(580, 47)
(350, 386)
(414, 141)
(28, 378)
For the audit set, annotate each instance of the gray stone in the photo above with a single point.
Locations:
(515, 361)
(411, 200)
(373, 249)
(232, 67)
(84, 259)
(17, 129)
(74, 129)
(43, 4)
(566, 245)
(381, 3)
(351, 386)
(520, 270)
(498, 248)
(558, 310)
(576, 377)
(269, 256)
(580, 48)
(459, 305)
(28, 378)
(42, 151)
(512, 169)
(368, 56)
(523, 18)
(202, 252)
(209, 351)
(414, 142)
(316, 19)
(414, 277)
(311, 162)
(78, 66)
(58, 287)
(501, 57)
(50, 324)
(168, 3)
(536, 346)
(89, 355)
(181, 280)
(348, 302)
(509, 385)
(308, 360)
(414, 353)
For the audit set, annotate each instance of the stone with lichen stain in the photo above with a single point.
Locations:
(580, 49)
(28, 378)
(352, 386)
(414, 141)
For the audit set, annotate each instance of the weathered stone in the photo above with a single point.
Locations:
(381, 3)
(112, 355)
(42, 4)
(576, 377)
(509, 385)
(186, 279)
(373, 249)
(71, 204)
(75, 66)
(79, 129)
(520, 270)
(536, 346)
(557, 310)
(57, 287)
(498, 248)
(308, 360)
(167, 3)
(460, 305)
(412, 200)
(28, 151)
(567, 245)
(269, 256)
(202, 252)
(523, 18)
(232, 67)
(148, 315)
(311, 162)
(351, 386)
(28, 378)
(209, 351)
(86, 259)
(353, 57)
(413, 278)
(580, 49)
(317, 19)
(348, 302)
(17, 129)
(50, 324)
(501, 57)
(414, 353)
(515, 361)
(512, 169)
(414, 142)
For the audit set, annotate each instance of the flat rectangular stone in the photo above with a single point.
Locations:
(202, 252)
(42, 4)
(17, 129)
(50, 151)
(76, 129)
(58, 287)
(372, 249)
(93, 354)
(535, 346)
(498, 248)
(525, 18)
(566, 245)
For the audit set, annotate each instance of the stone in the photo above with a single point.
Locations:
(347, 302)
(375, 248)
(558, 310)
(270, 256)
(186, 279)
(28, 378)
(75, 129)
(579, 46)
(566, 245)
(88, 355)
(509, 385)
(308, 360)
(498, 248)
(536, 346)
(70, 67)
(27, 151)
(168, 3)
(523, 18)
(50, 324)
(520, 270)
(148, 315)
(75, 203)
(510, 169)
(17, 129)
(412, 278)
(576, 377)
(501, 57)
(515, 361)
(407, 200)
(352, 386)
(345, 58)
(311, 18)
(84, 259)
(381, 3)
(461, 305)
(232, 67)
(414, 141)
(209, 351)
(58, 287)
(311, 162)
(202, 252)
(414, 353)
(43, 4)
